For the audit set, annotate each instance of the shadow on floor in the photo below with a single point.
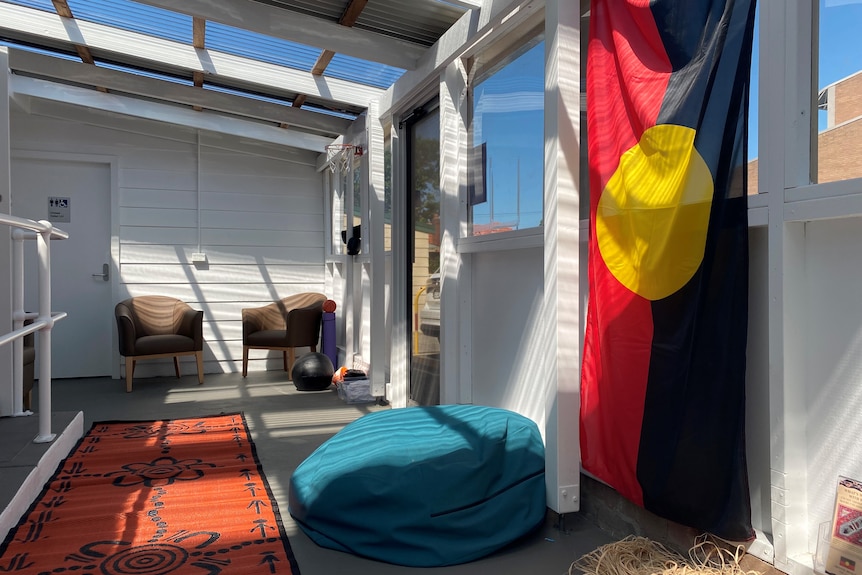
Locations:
(287, 425)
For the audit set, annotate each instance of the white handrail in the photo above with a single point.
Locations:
(42, 231)
(33, 226)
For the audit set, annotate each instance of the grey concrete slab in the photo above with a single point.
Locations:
(287, 425)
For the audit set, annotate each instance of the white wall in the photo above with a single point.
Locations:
(833, 376)
(261, 214)
(757, 436)
(510, 344)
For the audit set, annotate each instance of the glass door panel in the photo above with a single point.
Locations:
(423, 176)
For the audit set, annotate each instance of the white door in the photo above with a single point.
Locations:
(82, 343)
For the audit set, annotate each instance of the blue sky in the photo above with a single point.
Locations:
(840, 54)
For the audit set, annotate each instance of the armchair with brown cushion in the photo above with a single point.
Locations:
(283, 325)
(151, 327)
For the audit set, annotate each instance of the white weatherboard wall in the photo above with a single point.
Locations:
(510, 343)
(260, 209)
(833, 375)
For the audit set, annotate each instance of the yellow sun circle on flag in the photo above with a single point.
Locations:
(653, 215)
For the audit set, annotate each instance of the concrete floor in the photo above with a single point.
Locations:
(287, 426)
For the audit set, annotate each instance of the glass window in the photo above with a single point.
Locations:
(423, 167)
(839, 98)
(507, 139)
(753, 93)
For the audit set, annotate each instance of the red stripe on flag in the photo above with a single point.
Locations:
(627, 74)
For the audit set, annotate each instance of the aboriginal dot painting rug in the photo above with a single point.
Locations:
(183, 496)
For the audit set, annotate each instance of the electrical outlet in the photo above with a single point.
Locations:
(199, 258)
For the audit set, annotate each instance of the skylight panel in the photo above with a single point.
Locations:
(144, 73)
(40, 50)
(135, 17)
(44, 5)
(274, 100)
(362, 71)
(260, 47)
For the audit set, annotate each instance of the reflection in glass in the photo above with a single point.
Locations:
(424, 180)
(507, 135)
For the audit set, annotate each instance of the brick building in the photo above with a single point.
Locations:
(839, 145)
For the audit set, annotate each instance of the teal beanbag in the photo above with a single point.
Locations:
(423, 486)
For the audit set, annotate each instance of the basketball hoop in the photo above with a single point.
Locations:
(339, 157)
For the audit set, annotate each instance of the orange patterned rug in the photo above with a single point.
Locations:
(183, 496)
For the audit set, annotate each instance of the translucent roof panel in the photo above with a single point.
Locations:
(135, 17)
(362, 71)
(298, 56)
(45, 5)
(39, 50)
(260, 47)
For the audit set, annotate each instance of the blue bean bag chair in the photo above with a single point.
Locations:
(423, 486)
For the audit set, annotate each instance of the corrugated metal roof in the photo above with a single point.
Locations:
(420, 21)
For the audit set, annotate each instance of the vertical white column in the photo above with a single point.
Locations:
(44, 335)
(17, 274)
(401, 322)
(377, 227)
(456, 289)
(562, 252)
(784, 130)
(5, 237)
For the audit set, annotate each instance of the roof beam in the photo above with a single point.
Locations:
(31, 25)
(348, 19)
(199, 34)
(467, 4)
(494, 18)
(61, 7)
(301, 28)
(45, 90)
(69, 71)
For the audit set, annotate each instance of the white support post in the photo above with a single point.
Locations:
(44, 251)
(399, 359)
(17, 274)
(6, 407)
(561, 306)
(456, 384)
(785, 56)
(374, 234)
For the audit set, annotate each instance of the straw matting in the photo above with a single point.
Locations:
(185, 496)
(642, 556)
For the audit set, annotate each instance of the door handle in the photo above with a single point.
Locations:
(105, 275)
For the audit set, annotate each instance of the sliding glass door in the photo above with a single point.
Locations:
(423, 178)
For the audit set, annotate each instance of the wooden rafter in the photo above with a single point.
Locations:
(61, 7)
(297, 103)
(348, 18)
(199, 34)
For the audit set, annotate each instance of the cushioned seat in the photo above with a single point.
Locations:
(284, 325)
(423, 486)
(150, 327)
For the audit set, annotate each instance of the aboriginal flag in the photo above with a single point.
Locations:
(663, 379)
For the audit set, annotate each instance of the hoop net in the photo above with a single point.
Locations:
(339, 157)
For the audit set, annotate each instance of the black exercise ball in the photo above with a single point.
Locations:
(312, 372)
